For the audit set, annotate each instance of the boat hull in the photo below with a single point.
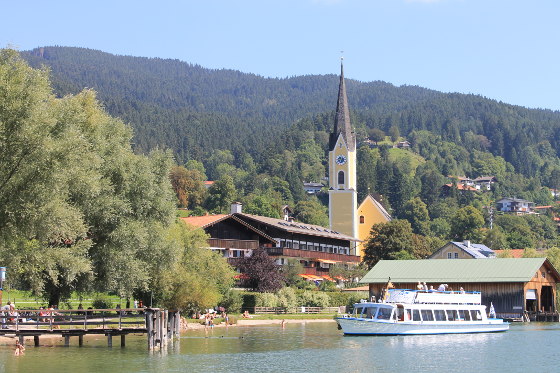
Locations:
(359, 326)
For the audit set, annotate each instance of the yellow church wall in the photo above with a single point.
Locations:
(343, 204)
(371, 215)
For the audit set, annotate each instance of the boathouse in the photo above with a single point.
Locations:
(516, 287)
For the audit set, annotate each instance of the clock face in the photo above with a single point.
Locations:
(340, 159)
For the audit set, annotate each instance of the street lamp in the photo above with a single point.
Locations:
(2, 279)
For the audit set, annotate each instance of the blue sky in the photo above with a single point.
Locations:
(505, 50)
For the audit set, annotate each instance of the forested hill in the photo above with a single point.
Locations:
(191, 109)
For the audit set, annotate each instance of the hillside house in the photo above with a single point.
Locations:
(515, 205)
(463, 250)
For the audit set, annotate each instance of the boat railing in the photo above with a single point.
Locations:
(433, 297)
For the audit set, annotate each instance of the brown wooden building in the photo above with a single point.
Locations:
(236, 235)
(515, 286)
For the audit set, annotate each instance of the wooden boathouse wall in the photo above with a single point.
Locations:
(507, 298)
(510, 299)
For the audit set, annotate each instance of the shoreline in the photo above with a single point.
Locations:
(253, 322)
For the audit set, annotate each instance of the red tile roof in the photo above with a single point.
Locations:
(516, 253)
(203, 221)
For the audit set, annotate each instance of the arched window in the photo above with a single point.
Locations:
(362, 219)
(340, 177)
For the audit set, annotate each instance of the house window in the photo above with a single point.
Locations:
(303, 246)
(456, 255)
(341, 177)
(449, 256)
(362, 219)
(543, 274)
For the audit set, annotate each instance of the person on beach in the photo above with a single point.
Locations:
(283, 324)
(19, 349)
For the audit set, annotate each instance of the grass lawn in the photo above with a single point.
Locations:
(23, 299)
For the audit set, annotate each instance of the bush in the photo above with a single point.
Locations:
(314, 299)
(102, 302)
(327, 286)
(249, 300)
(355, 298)
(266, 300)
(287, 298)
(232, 302)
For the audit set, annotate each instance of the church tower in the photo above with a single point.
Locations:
(343, 195)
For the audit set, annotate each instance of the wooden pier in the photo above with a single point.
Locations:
(160, 326)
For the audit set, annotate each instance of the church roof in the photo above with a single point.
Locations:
(342, 119)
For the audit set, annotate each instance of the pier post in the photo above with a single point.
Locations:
(149, 328)
(109, 340)
(66, 340)
(165, 326)
(81, 340)
(123, 337)
(21, 339)
(36, 340)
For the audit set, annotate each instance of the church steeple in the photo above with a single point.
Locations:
(342, 119)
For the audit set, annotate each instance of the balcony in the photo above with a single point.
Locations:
(284, 251)
(233, 244)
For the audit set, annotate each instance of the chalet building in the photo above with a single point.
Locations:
(515, 205)
(516, 287)
(402, 145)
(461, 188)
(463, 250)
(236, 235)
(312, 188)
(484, 182)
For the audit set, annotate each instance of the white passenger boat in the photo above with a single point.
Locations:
(408, 312)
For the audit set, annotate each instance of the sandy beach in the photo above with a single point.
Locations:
(193, 325)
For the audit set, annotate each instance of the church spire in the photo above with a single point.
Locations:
(342, 119)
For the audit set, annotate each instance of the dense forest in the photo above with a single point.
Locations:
(259, 139)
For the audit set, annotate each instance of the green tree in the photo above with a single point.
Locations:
(220, 195)
(311, 212)
(467, 224)
(416, 212)
(387, 239)
(394, 133)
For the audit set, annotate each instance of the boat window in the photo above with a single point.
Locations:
(416, 315)
(452, 315)
(384, 313)
(427, 315)
(464, 315)
(370, 312)
(439, 315)
(477, 315)
(399, 314)
(358, 311)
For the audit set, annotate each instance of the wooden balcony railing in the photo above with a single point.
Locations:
(233, 244)
(284, 251)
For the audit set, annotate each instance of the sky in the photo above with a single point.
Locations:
(503, 50)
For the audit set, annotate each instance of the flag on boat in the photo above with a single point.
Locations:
(492, 313)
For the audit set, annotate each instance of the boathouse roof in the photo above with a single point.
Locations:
(458, 270)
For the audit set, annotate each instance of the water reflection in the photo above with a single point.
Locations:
(304, 348)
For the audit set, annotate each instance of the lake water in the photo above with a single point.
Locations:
(311, 347)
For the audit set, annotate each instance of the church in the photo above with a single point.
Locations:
(345, 215)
